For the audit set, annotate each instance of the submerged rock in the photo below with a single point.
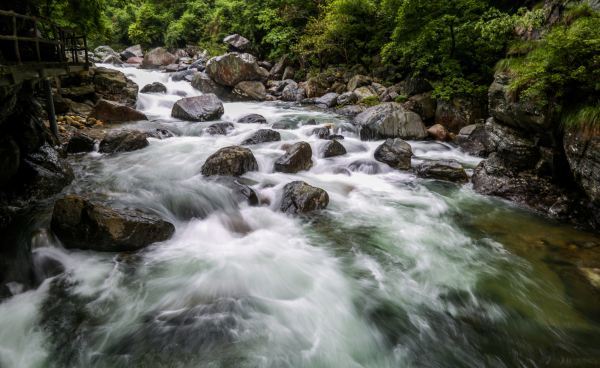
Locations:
(199, 108)
(219, 128)
(321, 133)
(160, 133)
(252, 119)
(80, 142)
(81, 223)
(297, 158)
(390, 120)
(114, 112)
(449, 170)
(123, 141)
(300, 197)
(262, 136)
(241, 192)
(230, 161)
(396, 153)
(155, 87)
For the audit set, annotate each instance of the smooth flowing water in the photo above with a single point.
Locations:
(397, 272)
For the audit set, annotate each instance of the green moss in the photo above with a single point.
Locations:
(401, 98)
(371, 101)
(586, 118)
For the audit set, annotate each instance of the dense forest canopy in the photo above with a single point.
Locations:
(456, 44)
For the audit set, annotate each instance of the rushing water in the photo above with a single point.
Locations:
(397, 272)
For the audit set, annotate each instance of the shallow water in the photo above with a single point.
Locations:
(397, 272)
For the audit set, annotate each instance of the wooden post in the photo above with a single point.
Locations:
(50, 107)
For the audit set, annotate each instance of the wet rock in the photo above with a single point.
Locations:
(155, 87)
(285, 124)
(300, 197)
(460, 112)
(199, 108)
(203, 83)
(321, 133)
(102, 52)
(183, 75)
(351, 110)
(44, 173)
(80, 142)
(364, 93)
(364, 166)
(233, 68)
(315, 87)
(333, 149)
(336, 136)
(230, 161)
(519, 150)
(237, 43)
(358, 81)
(81, 223)
(389, 120)
(439, 133)
(131, 52)
(583, 154)
(449, 170)
(160, 133)
(241, 191)
(298, 157)
(293, 92)
(423, 104)
(219, 128)
(474, 139)
(158, 57)
(46, 266)
(395, 152)
(347, 98)
(114, 112)
(311, 122)
(113, 85)
(327, 100)
(251, 89)
(262, 136)
(113, 60)
(252, 119)
(123, 141)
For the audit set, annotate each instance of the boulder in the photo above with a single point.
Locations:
(251, 89)
(203, 83)
(583, 154)
(300, 197)
(80, 142)
(160, 133)
(230, 161)
(135, 60)
(327, 100)
(321, 133)
(293, 92)
(84, 224)
(158, 57)
(123, 141)
(518, 149)
(316, 86)
(134, 51)
(423, 104)
(252, 119)
(155, 87)
(262, 136)
(233, 68)
(523, 115)
(102, 52)
(389, 120)
(183, 75)
(364, 166)
(448, 170)
(347, 98)
(350, 110)
(113, 112)
(333, 148)
(474, 139)
(113, 60)
(358, 81)
(219, 128)
(240, 191)
(199, 108)
(439, 133)
(113, 85)
(459, 112)
(289, 72)
(396, 153)
(363, 93)
(279, 67)
(237, 43)
(298, 157)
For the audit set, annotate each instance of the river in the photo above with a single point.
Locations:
(397, 272)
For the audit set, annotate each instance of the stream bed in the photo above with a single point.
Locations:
(397, 272)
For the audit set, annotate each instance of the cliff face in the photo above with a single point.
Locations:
(31, 170)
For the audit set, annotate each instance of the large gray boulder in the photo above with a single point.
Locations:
(158, 57)
(102, 52)
(199, 108)
(233, 68)
(333, 148)
(298, 157)
(81, 223)
(134, 51)
(300, 198)
(448, 170)
(395, 152)
(123, 141)
(389, 120)
(583, 154)
(474, 139)
(524, 115)
(203, 83)
(251, 89)
(114, 112)
(230, 161)
(327, 100)
(293, 92)
(237, 42)
(113, 85)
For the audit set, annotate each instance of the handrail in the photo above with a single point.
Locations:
(65, 41)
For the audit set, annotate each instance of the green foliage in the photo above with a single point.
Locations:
(585, 118)
(370, 101)
(401, 98)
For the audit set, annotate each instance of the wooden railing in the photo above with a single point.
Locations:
(38, 40)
